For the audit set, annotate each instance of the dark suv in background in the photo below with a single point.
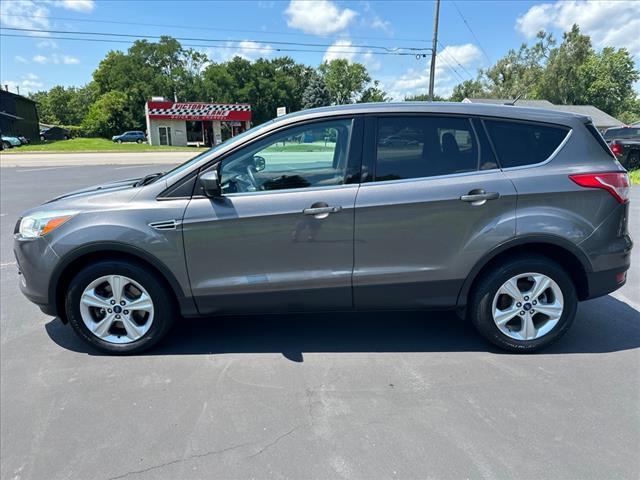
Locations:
(508, 215)
(625, 145)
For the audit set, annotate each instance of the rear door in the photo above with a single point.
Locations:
(432, 203)
(281, 235)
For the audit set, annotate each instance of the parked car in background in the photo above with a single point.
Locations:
(10, 141)
(132, 136)
(54, 133)
(510, 231)
(625, 145)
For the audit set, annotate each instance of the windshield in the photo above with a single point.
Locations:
(192, 161)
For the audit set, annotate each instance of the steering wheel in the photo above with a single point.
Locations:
(254, 182)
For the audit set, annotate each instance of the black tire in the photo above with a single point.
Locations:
(7, 145)
(165, 310)
(138, 141)
(479, 310)
(66, 137)
(119, 141)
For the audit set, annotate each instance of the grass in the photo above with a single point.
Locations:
(79, 145)
(634, 175)
(302, 147)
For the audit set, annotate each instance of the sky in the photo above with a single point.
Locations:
(472, 34)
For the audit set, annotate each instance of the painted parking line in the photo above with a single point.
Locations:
(40, 169)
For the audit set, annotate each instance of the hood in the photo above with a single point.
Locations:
(100, 189)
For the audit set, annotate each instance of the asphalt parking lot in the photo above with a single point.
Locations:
(368, 395)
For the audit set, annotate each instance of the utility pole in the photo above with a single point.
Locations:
(432, 72)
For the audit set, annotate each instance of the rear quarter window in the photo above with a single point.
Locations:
(596, 134)
(519, 144)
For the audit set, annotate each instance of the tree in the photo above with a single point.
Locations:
(469, 89)
(517, 73)
(109, 115)
(64, 106)
(316, 93)
(562, 81)
(373, 93)
(608, 79)
(424, 97)
(345, 81)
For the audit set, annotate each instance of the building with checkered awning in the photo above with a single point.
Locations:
(194, 123)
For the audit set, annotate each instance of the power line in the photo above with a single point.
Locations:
(454, 59)
(266, 49)
(192, 27)
(472, 32)
(218, 40)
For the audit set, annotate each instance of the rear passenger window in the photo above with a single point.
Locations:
(518, 144)
(415, 147)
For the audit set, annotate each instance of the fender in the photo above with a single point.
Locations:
(547, 239)
(186, 303)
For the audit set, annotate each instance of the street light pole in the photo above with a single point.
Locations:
(432, 72)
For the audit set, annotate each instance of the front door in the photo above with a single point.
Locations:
(281, 235)
(165, 135)
(435, 203)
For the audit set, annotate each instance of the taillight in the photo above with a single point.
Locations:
(616, 183)
(616, 148)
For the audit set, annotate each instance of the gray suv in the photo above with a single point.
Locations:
(508, 215)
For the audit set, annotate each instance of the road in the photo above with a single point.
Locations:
(36, 159)
(355, 396)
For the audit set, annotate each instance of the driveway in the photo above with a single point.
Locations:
(357, 396)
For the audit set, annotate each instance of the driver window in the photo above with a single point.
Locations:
(311, 155)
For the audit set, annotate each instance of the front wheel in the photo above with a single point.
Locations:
(119, 307)
(138, 141)
(119, 141)
(523, 305)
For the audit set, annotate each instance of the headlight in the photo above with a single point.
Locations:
(40, 223)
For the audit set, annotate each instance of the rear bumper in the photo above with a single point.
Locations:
(602, 283)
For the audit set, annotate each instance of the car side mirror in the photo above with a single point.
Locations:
(211, 184)
(259, 163)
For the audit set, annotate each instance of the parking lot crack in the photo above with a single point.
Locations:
(179, 460)
(274, 442)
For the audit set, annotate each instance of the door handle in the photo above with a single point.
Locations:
(479, 196)
(321, 210)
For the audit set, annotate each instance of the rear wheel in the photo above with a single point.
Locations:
(119, 307)
(6, 145)
(139, 141)
(524, 305)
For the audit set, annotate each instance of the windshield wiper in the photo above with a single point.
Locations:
(148, 179)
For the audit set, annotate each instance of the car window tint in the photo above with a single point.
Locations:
(306, 156)
(424, 146)
(519, 144)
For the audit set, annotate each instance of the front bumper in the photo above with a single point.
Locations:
(36, 261)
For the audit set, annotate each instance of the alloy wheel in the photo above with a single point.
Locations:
(527, 306)
(116, 309)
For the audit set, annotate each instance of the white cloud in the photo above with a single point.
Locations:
(84, 6)
(416, 80)
(611, 24)
(27, 84)
(21, 59)
(70, 60)
(344, 48)
(56, 59)
(37, 15)
(380, 24)
(319, 17)
(47, 44)
(246, 49)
